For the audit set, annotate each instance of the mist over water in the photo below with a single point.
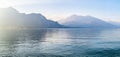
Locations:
(68, 42)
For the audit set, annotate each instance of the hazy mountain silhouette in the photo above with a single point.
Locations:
(115, 23)
(10, 17)
(85, 21)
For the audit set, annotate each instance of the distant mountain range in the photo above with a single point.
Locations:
(85, 21)
(10, 18)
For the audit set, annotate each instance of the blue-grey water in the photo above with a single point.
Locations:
(69, 42)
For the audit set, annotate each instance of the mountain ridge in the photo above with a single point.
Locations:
(10, 17)
(85, 21)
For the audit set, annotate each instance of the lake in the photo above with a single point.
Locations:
(63, 42)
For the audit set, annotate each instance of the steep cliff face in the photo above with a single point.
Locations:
(10, 17)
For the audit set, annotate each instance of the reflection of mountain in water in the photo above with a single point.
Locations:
(11, 18)
(60, 42)
(11, 41)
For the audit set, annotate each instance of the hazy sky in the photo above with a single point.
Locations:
(58, 9)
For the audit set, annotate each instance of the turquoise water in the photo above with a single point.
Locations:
(69, 42)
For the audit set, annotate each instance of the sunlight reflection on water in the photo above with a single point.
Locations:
(60, 42)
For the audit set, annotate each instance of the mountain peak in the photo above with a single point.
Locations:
(9, 10)
(10, 17)
(85, 21)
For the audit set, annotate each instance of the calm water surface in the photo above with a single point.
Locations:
(81, 42)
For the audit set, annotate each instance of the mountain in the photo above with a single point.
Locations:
(85, 21)
(115, 23)
(10, 17)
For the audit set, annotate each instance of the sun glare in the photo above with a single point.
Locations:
(3, 4)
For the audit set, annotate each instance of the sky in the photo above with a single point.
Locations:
(107, 10)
